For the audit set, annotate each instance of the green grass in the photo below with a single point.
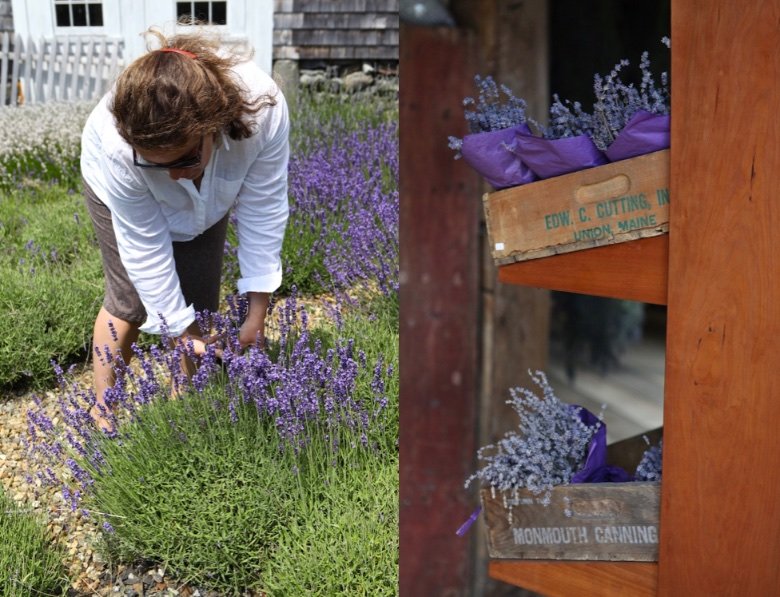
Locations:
(374, 325)
(206, 507)
(29, 564)
(229, 509)
(52, 284)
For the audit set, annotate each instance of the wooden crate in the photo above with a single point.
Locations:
(609, 204)
(589, 521)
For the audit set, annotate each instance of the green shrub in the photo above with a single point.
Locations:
(52, 283)
(373, 324)
(190, 489)
(221, 503)
(345, 543)
(29, 564)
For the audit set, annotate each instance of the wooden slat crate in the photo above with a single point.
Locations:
(589, 521)
(609, 204)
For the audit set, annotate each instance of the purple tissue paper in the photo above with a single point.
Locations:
(488, 155)
(643, 133)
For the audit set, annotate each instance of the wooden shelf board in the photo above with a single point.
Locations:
(636, 270)
(566, 578)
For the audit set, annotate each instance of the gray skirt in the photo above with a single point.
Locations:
(198, 265)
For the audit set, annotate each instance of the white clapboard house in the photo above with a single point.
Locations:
(250, 20)
(71, 49)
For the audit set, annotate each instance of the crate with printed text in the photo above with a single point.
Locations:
(588, 521)
(609, 204)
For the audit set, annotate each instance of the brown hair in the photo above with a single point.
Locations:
(164, 99)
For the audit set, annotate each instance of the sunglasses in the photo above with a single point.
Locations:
(190, 161)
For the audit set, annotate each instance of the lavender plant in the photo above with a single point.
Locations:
(617, 101)
(344, 207)
(650, 467)
(281, 423)
(495, 108)
(551, 446)
(316, 117)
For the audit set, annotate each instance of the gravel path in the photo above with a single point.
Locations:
(65, 527)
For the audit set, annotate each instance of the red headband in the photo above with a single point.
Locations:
(178, 51)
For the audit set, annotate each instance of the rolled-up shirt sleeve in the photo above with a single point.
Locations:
(144, 243)
(262, 206)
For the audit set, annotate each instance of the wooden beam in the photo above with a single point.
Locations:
(440, 214)
(594, 579)
(720, 531)
(635, 271)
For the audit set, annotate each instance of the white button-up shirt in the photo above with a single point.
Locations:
(150, 210)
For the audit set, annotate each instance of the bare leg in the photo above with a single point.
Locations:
(126, 333)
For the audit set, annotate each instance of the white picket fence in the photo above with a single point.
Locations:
(57, 69)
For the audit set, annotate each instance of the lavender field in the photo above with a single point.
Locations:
(275, 471)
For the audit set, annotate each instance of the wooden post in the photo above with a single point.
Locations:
(439, 294)
(720, 529)
(512, 47)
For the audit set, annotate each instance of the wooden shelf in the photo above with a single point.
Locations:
(636, 270)
(567, 578)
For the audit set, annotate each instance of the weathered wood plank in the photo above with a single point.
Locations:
(721, 416)
(628, 453)
(18, 51)
(308, 20)
(513, 46)
(335, 6)
(589, 521)
(609, 204)
(335, 52)
(52, 69)
(335, 37)
(284, 6)
(27, 72)
(40, 70)
(100, 67)
(6, 44)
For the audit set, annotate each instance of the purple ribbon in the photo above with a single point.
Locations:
(596, 469)
(464, 528)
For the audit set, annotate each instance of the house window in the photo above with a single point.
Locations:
(212, 13)
(70, 13)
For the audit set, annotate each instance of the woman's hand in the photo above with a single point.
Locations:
(199, 343)
(252, 331)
